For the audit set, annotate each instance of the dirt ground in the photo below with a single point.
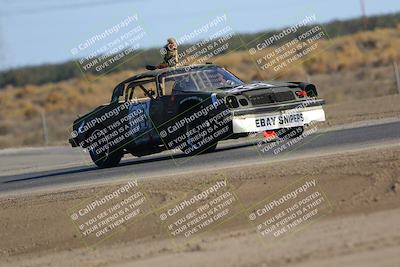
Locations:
(361, 110)
(358, 225)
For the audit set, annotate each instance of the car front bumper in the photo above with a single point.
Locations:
(73, 142)
(265, 119)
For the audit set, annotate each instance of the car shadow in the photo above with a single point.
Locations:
(130, 162)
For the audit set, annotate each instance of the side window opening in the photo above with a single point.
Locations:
(167, 86)
(201, 79)
(140, 90)
(180, 82)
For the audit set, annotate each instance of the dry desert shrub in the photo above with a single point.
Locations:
(352, 67)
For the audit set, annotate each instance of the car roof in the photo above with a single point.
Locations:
(156, 72)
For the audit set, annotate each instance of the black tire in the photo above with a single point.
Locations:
(210, 148)
(290, 133)
(106, 160)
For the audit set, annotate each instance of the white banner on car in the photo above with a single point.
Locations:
(277, 120)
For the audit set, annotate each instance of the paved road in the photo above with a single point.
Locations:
(229, 153)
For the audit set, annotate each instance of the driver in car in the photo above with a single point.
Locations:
(184, 83)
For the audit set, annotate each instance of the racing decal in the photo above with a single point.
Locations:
(280, 120)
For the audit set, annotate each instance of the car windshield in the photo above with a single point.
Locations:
(200, 79)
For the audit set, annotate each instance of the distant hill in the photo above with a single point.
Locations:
(42, 74)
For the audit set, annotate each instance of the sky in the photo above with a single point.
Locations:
(45, 31)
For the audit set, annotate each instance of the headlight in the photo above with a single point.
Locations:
(243, 102)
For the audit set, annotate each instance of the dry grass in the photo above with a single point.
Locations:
(353, 67)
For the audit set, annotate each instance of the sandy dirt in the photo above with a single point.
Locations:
(358, 225)
(361, 110)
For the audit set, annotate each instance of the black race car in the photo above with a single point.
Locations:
(191, 108)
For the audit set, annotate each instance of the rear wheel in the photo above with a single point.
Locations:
(106, 160)
(104, 156)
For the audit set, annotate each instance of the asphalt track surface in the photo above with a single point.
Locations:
(228, 153)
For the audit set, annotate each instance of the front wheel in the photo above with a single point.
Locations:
(198, 141)
(106, 160)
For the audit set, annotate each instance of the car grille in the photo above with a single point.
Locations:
(271, 98)
(262, 99)
(284, 96)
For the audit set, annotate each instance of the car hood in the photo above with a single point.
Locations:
(258, 86)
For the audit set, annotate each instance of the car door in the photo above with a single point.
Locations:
(139, 96)
(163, 111)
